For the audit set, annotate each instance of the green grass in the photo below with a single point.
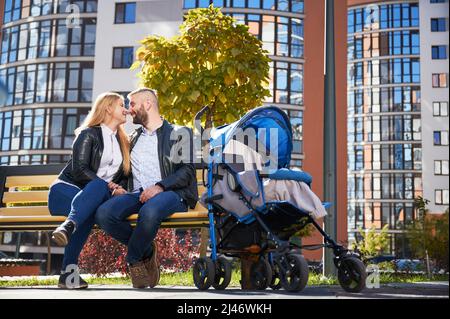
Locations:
(185, 279)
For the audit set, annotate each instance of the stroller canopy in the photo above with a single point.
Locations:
(263, 134)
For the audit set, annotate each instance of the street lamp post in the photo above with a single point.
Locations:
(330, 183)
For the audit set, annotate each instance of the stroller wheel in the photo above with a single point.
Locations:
(222, 277)
(352, 274)
(204, 271)
(295, 276)
(276, 281)
(261, 274)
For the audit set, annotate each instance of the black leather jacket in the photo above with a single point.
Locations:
(87, 152)
(177, 170)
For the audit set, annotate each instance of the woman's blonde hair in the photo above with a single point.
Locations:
(98, 115)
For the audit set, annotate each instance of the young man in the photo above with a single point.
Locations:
(162, 182)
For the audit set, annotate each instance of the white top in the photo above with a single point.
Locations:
(145, 161)
(111, 156)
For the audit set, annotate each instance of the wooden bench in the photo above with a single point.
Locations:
(24, 195)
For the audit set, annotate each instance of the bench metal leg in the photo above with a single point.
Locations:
(19, 239)
(49, 254)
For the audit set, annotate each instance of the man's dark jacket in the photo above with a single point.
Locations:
(177, 169)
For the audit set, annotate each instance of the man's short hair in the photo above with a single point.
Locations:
(145, 90)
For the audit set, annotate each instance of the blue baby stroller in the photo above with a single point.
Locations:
(243, 157)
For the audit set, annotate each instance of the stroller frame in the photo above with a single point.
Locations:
(277, 261)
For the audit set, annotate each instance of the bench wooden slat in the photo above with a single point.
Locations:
(42, 211)
(35, 180)
(199, 216)
(33, 218)
(42, 196)
(25, 197)
(25, 211)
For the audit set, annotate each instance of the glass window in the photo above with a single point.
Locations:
(122, 57)
(125, 13)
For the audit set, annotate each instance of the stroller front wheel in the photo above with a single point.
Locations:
(222, 276)
(204, 273)
(352, 274)
(295, 276)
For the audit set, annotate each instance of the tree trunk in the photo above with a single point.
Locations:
(247, 260)
(204, 238)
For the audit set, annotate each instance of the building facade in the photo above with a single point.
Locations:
(390, 118)
(434, 49)
(46, 77)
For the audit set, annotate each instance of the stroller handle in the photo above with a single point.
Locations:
(198, 117)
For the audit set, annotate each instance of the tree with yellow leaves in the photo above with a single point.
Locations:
(214, 62)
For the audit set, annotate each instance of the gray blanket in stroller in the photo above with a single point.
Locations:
(294, 192)
(297, 193)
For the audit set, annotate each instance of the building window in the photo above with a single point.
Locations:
(441, 196)
(440, 138)
(12, 10)
(440, 80)
(441, 167)
(82, 5)
(439, 52)
(72, 82)
(125, 98)
(440, 109)
(76, 41)
(122, 57)
(125, 13)
(283, 5)
(438, 25)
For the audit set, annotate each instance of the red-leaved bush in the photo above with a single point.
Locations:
(103, 255)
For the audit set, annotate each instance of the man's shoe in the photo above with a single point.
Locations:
(139, 275)
(75, 282)
(61, 235)
(152, 266)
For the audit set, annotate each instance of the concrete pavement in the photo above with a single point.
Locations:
(417, 290)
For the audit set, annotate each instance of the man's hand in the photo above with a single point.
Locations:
(150, 192)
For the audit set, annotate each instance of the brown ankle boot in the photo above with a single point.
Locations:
(139, 275)
(152, 266)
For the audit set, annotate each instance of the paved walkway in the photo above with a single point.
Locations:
(419, 290)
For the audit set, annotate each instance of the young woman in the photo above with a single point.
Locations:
(98, 168)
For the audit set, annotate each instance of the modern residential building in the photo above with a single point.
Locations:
(397, 113)
(46, 77)
(434, 50)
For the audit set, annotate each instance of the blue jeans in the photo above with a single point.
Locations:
(112, 215)
(80, 207)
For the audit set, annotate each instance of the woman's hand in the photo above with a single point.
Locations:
(112, 186)
(118, 191)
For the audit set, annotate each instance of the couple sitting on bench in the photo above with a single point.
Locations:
(111, 177)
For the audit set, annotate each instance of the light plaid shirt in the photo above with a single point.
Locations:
(145, 161)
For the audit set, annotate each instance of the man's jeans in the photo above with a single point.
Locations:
(80, 206)
(112, 215)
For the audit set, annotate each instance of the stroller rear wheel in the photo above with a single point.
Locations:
(295, 276)
(261, 274)
(352, 274)
(222, 277)
(204, 273)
